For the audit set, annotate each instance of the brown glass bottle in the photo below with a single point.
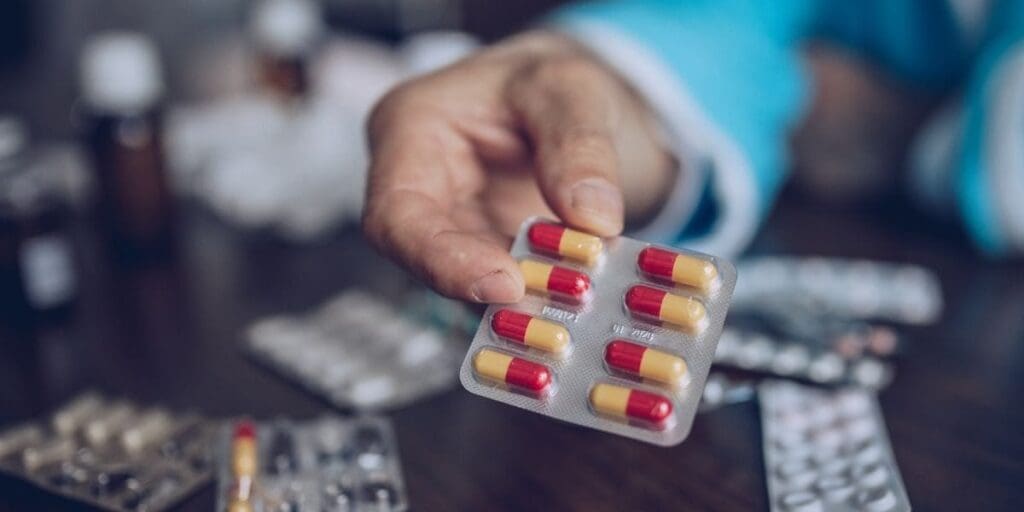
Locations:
(134, 197)
(122, 86)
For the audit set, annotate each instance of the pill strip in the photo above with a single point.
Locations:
(326, 352)
(853, 288)
(762, 353)
(604, 337)
(330, 463)
(112, 454)
(827, 451)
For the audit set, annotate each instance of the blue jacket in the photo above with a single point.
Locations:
(726, 78)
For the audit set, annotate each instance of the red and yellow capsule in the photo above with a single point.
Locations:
(646, 362)
(530, 331)
(631, 404)
(244, 464)
(679, 268)
(654, 304)
(516, 372)
(558, 240)
(558, 282)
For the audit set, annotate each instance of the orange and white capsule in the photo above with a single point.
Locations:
(679, 268)
(646, 362)
(631, 404)
(244, 464)
(530, 331)
(558, 240)
(516, 372)
(558, 282)
(654, 304)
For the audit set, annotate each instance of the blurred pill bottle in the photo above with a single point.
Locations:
(285, 33)
(38, 277)
(122, 87)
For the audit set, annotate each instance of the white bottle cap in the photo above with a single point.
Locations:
(286, 27)
(121, 72)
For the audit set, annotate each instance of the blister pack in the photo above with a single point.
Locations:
(359, 351)
(850, 288)
(112, 454)
(759, 352)
(616, 335)
(827, 451)
(721, 390)
(325, 465)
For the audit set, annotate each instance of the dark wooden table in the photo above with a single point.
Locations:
(170, 334)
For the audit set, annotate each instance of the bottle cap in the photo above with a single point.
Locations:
(286, 27)
(121, 72)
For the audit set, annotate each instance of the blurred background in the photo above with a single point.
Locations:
(179, 179)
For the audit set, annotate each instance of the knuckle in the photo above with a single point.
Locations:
(557, 71)
(390, 107)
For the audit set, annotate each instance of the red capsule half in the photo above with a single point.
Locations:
(513, 371)
(559, 282)
(628, 403)
(679, 268)
(654, 304)
(558, 240)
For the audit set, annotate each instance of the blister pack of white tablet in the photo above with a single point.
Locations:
(827, 451)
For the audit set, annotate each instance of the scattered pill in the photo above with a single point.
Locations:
(646, 362)
(530, 331)
(549, 238)
(623, 402)
(679, 268)
(655, 304)
(513, 371)
(558, 282)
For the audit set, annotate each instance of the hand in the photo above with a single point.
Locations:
(533, 126)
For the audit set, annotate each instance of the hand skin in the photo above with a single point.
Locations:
(532, 126)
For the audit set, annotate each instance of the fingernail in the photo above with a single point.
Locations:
(600, 203)
(496, 287)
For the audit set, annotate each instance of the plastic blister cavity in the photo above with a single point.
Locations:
(330, 464)
(111, 454)
(633, 364)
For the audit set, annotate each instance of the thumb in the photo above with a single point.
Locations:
(568, 110)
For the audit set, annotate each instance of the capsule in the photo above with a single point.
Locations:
(530, 331)
(632, 404)
(655, 304)
(244, 464)
(550, 238)
(678, 268)
(513, 371)
(558, 282)
(646, 362)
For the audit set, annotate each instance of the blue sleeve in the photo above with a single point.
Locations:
(736, 58)
(727, 78)
(988, 174)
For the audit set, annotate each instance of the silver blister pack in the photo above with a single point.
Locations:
(827, 451)
(112, 454)
(360, 351)
(762, 353)
(330, 464)
(581, 386)
(852, 288)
